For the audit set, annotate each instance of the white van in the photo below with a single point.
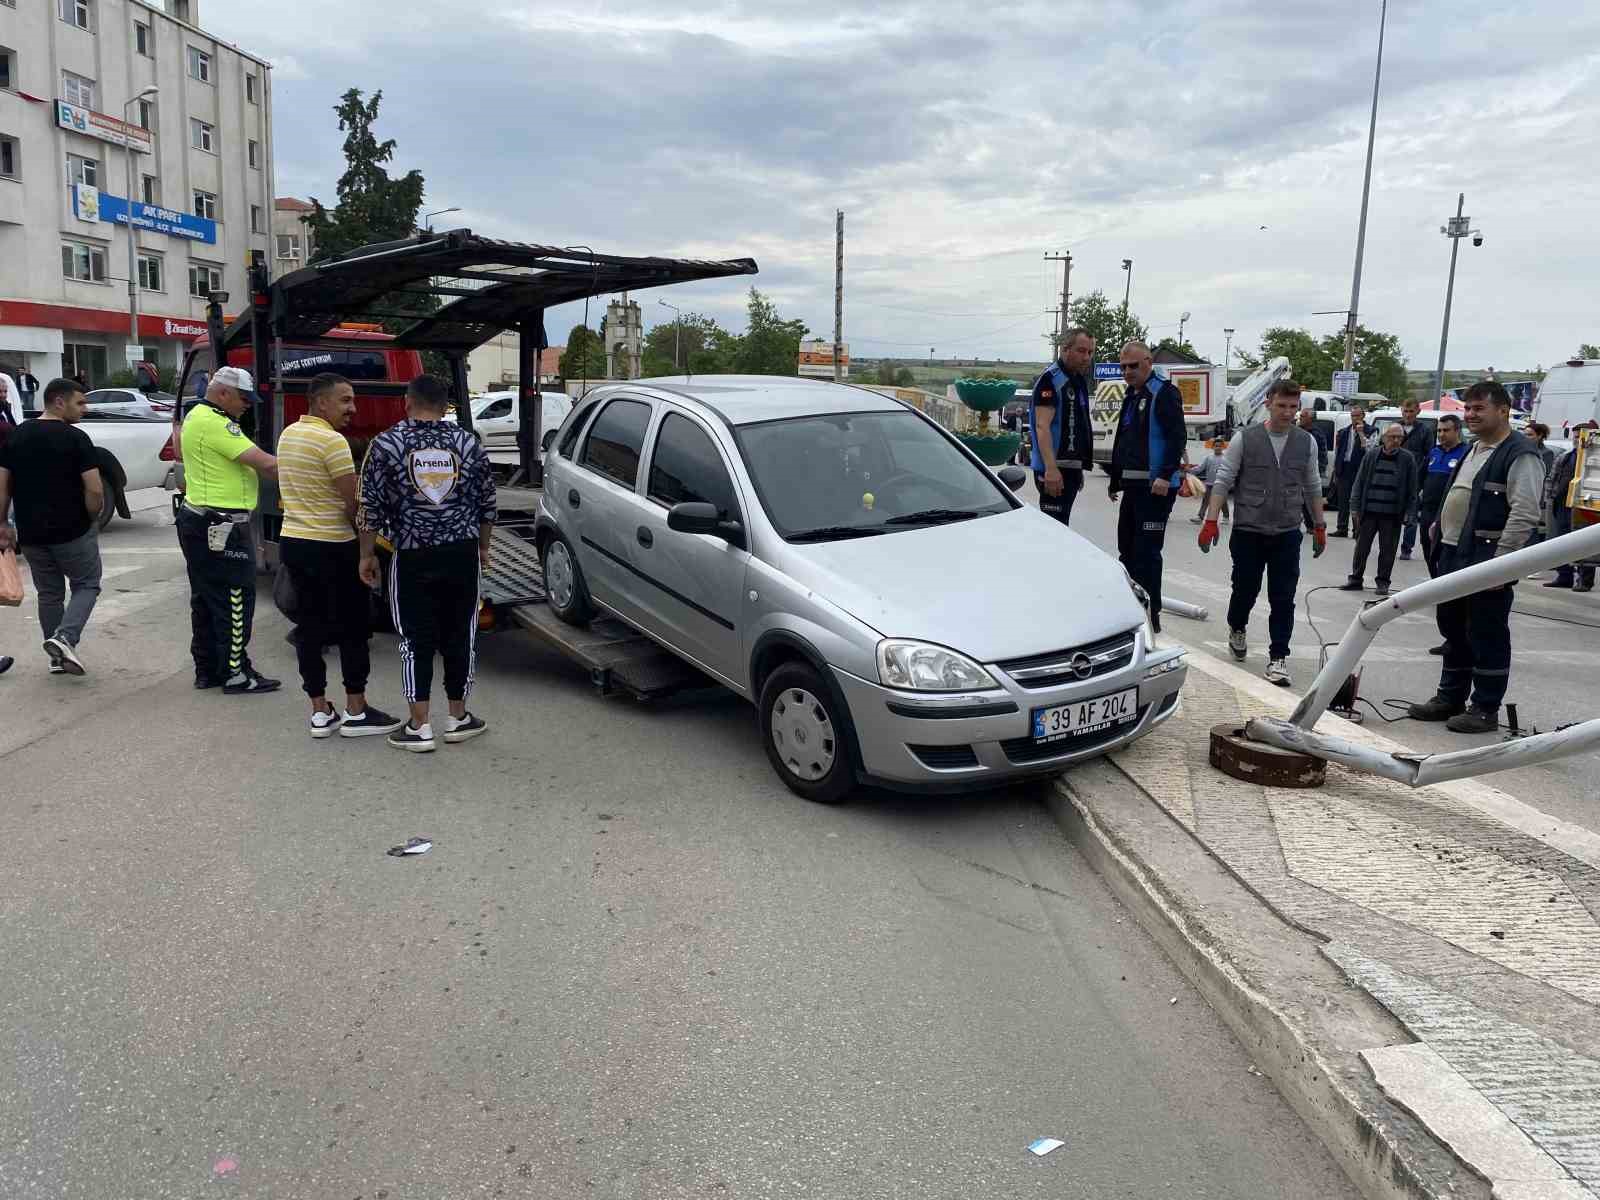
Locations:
(1569, 394)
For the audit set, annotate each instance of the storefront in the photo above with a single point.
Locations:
(59, 339)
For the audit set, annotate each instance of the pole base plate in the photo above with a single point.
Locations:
(1252, 762)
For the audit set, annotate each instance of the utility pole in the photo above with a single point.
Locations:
(1227, 353)
(1127, 296)
(1366, 189)
(838, 296)
(1066, 281)
(1457, 229)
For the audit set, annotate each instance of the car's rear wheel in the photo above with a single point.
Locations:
(806, 734)
(564, 588)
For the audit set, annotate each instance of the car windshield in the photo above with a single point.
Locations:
(859, 474)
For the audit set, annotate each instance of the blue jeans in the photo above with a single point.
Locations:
(1277, 554)
(76, 562)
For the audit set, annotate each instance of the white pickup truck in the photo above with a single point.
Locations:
(130, 450)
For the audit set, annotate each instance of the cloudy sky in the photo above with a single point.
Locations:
(964, 141)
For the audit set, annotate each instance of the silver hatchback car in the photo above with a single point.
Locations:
(898, 617)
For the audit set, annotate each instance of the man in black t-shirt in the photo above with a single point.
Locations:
(49, 468)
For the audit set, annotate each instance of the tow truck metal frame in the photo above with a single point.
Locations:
(1419, 770)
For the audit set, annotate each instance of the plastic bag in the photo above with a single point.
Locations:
(10, 579)
(284, 594)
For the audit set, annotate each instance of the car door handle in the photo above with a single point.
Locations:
(573, 498)
(646, 538)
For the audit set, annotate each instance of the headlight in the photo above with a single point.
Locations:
(1143, 597)
(920, 667)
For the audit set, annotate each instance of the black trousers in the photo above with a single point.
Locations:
(1430, 544)
(1477, 641)
(1345, 482)
(1387, 530)
(1060, 507)
(1141, 537)
(1278, 555)
(433, 598)
(332, 609)
(222, 595)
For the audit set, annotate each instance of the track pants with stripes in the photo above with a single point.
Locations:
(222, 595)
(433, 601)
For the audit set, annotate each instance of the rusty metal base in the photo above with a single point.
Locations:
(1252, 762)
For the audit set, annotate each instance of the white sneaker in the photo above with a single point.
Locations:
(463, 729)
(1277, 672)
(62, 655)
(409, 737)
(324, 724)
(1237, 644)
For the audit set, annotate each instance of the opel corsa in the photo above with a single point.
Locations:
(897, 616)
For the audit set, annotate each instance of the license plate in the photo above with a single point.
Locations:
(1062, 722)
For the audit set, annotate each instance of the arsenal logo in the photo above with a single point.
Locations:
(434, 474)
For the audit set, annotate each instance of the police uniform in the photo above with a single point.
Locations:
(214, 533)
(1150, 442)
(1070, 433)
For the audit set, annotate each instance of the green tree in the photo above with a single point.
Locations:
(372, 207)
(770, 345)
(904, 378)
(1309, 364)
(1109, 324)
(703, 343)
(1589, 350)
(1183, 347)
(884, 376)
(585, 355)
(1378, 358)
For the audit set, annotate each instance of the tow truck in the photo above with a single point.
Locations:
(483, 287)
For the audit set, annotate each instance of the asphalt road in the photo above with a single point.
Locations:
(632, 966)
(1555, 638)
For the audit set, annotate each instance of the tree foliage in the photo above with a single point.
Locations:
(770, 345)
(1183, 347)
(706, 347)
(1109, 322)
(1312, 361)
(585, 355)
(1589, 350)
(372, 207)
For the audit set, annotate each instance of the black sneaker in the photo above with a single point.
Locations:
(465, 729)
(1382, 590)
(370, 722)
(1351, 585)
(1560, 582)
(418, 741)
(324, 723)
(1437, 709)
(62, 655)
(1405, 556)
(204, 683)
(1583, 586)
(1474, 720)
(250, 683)
(5, 663)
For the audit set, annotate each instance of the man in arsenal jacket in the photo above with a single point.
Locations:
(1146, 468)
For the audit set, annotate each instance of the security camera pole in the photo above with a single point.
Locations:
(1458, 228)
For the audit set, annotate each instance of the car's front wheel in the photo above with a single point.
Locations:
(805, 734)
(564, 588)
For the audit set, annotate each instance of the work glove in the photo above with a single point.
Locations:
(1319, 541)
(1209, 533)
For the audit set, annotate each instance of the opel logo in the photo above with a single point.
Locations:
(1081, 666)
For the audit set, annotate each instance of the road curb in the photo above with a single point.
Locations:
(1303, 1022)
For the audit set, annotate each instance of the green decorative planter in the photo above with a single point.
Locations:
(985, 395)
(995, 449)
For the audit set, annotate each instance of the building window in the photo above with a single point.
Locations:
(82, 170)
(202, 136)
(256, 225)
(205, 204)
(150, 272)
(180, 10)
(150, 189)
(10, 157)
(204, 280)
(8, 67)
(254, 154)
(250, 86)
(75, 89)
(141, 39)
(79, 260)
(199, 65)
(75, 12)
(289, 245)
(147, 114)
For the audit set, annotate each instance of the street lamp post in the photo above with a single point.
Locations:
(1457, 228)
(1366, 189)
(1183, 319)
(427, 218)
(1127, 293)
(1227, 353)
(677, 333)
(133, 254)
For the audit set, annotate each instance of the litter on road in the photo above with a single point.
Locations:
(416, 845)
(1043, 1146)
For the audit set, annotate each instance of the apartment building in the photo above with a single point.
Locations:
(124, 120)
(292, 246)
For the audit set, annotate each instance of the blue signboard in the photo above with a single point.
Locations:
(1104, 371)
(150, 216)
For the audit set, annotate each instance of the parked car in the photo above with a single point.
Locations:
(130, 402)
(496, 420)
(837, 558)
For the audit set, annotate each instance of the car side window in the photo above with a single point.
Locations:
(102, 397)
(616, 441)
(570, 439)
(500, 408)
(686, 467)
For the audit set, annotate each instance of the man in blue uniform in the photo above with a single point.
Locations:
(1058, 422)
(1146, 468)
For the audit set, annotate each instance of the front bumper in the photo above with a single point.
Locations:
(919, 740)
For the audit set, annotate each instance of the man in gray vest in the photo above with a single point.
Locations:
(1271, 472)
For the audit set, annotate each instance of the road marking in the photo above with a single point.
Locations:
(107, 551)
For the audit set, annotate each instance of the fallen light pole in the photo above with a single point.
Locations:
(1182, 608)
(1296, 735)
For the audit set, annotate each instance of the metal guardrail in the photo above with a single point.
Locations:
(1419, 770)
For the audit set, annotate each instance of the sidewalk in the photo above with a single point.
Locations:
(1473, 919)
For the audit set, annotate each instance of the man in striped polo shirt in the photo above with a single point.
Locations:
(319, 549)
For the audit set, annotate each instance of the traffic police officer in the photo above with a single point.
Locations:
(1146, 468)
(220, 468)
(1058, 423)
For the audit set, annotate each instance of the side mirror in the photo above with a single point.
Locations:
(696, 516)
(1013, 476)
(548, 440)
